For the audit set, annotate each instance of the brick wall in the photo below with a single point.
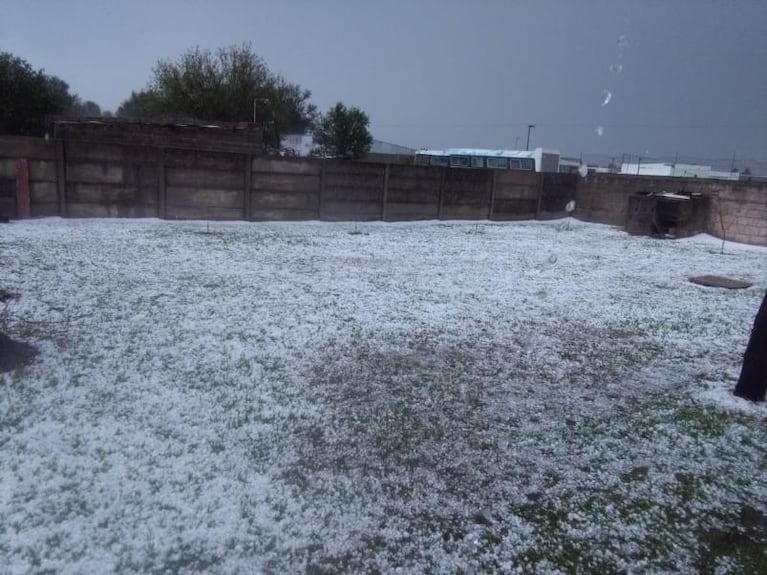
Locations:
(740, 206)
(739, 213)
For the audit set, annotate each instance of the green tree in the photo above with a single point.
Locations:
(343, 133)
(292, 110)
(87, 109)
(226, 85)
(29, 97)
(141, 104)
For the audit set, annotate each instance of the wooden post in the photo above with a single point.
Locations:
(22, 189)
(442, 178)
(61, 178)
(162, 199)
(321, 197)
(492, 195)
(540, 196)
(385, 193)
(248, 186)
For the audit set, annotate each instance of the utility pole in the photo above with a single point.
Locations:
(529, 127)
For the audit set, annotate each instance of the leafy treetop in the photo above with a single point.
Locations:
(29, 97)
(230, 85)
(343, 133)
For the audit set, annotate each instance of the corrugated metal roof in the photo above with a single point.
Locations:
(480, 152)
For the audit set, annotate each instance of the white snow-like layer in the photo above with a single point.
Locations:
(437, 396)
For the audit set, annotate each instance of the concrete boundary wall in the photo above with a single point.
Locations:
(93, 179)
(739, 213)
(42, 177)
(109, 180)
(284, 189)
(737, 210)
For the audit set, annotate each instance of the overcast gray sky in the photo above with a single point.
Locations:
(450, 73)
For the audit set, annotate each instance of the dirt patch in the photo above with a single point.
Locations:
(6, 296)
(720, 282)
(14, 354)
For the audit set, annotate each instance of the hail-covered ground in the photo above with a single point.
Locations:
(438, 397)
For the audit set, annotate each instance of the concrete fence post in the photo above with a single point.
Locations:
(442, 179)
(61, 178)
(162, 200)
(540, 196)
(321, 195)
(248, 187)
(23, 210)
(385, 193)
(492, 195)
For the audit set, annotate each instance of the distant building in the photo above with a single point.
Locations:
(569, 165)
(538, 160)
(297, 144)
(677, 171)
(303, 144)
(380, 147)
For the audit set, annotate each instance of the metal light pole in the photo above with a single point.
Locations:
(254, 106)
(529, 127)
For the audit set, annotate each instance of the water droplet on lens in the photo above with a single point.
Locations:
(623, 42)
(600, 131)
(607, 95)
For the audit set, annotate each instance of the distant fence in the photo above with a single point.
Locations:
(91, 179)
